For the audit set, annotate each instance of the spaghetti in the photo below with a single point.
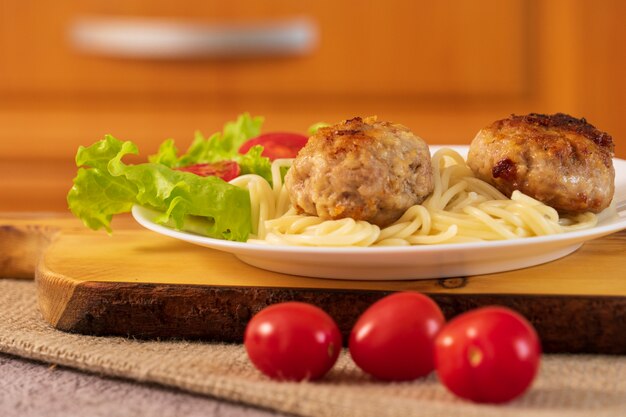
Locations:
(461, 208)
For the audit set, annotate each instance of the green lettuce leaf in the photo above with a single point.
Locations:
(317, 126)
(105, 186)
(220, 146)
(167, 155)
(253, 163)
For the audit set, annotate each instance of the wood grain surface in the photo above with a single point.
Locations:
(444, 69)
(136, 283)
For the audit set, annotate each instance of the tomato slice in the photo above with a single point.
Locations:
(277, 145)
(226, 170)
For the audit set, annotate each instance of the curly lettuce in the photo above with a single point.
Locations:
(220, 146)
(105, 186)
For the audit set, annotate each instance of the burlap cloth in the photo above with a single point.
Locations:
(566, 386)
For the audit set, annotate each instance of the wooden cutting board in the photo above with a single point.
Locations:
(140, 284)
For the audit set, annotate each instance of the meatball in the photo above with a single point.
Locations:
(363, 169)
(557, 159)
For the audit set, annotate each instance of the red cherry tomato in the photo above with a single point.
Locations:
(226, 170)
(293, 341)
(277, 144)
(393, 339)
(487, 355)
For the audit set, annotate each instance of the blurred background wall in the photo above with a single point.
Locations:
(147, 70)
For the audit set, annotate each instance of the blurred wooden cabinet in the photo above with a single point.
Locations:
(443, 68)
(399, 48)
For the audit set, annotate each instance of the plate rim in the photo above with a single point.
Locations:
(580, 235)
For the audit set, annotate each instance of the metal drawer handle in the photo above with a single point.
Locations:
(170, 39)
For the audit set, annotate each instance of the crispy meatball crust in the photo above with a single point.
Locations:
(362, 169)
(557, 159)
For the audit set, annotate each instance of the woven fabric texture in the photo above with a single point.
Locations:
(567, 385)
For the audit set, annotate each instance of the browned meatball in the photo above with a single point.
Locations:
(557, 159)
(362, 169)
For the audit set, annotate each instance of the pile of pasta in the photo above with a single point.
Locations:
(461, 208)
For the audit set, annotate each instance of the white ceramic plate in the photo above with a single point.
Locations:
(414, 262)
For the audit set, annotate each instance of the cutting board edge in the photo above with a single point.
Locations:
(54, 292)
(221, 313)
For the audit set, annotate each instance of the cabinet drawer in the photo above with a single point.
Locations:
(395, 48)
